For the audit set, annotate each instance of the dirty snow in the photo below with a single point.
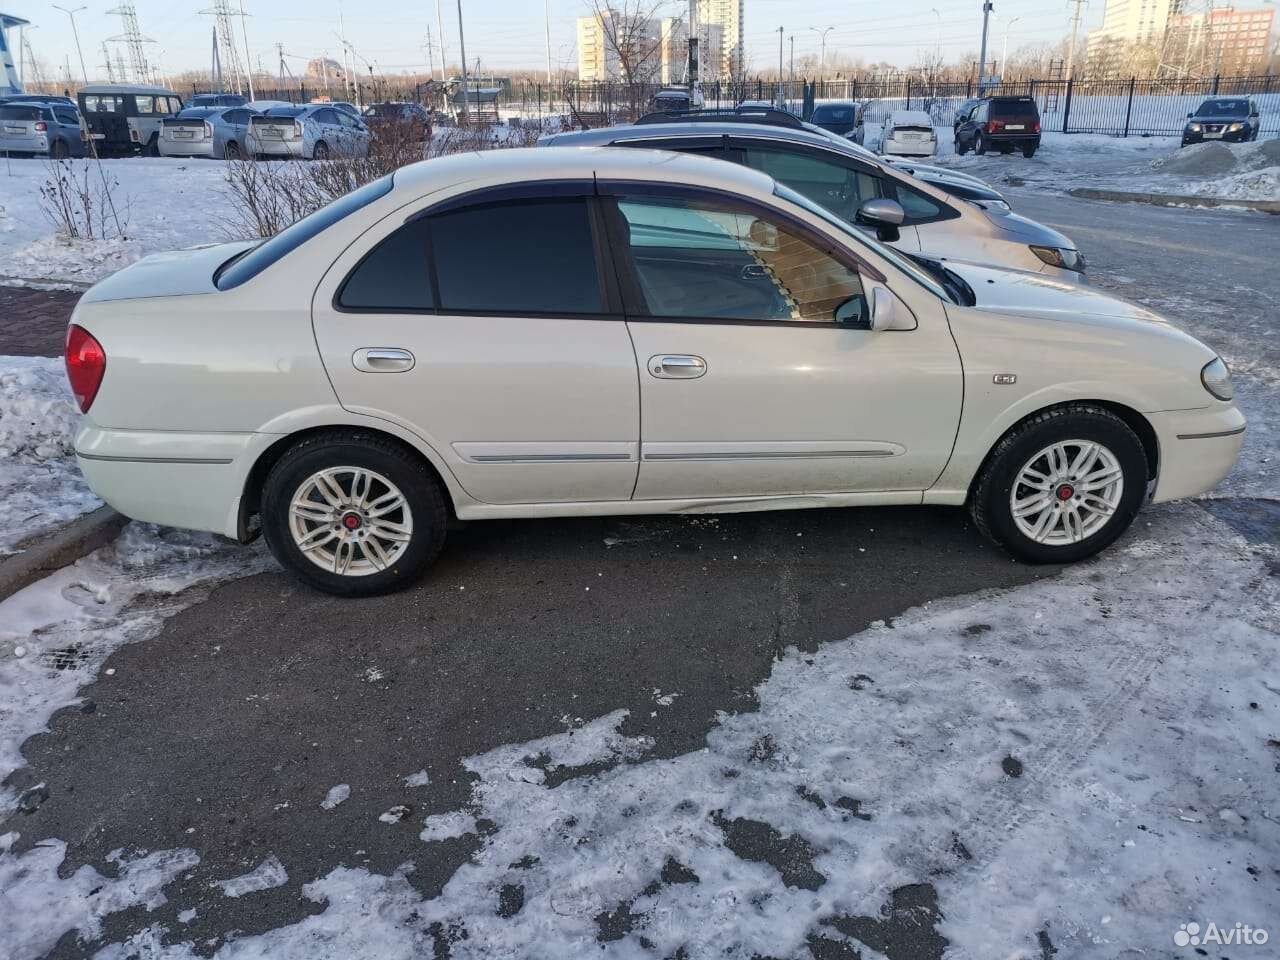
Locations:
(66, 625)
(335, 796)
(270, 873)
(40, 906)
(40, 485)
(1086, 758)
(165, 205)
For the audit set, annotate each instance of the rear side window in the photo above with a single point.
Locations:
(394, 276)
(251, 263)
(525, 257)
(67, 117)
(21, 113)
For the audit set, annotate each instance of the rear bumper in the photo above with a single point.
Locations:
(895, 149)
(1198, 448)
(187, 480)
(283, 149)
(187, 148)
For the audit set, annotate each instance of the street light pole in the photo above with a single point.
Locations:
(822, 54)
(462, 47)
(780, 95)
(248, 63)
(76, 33)
(1004, 47)
(987, 7)
(938, 36)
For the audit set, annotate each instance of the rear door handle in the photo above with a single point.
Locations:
(382, 360)
(677, 366)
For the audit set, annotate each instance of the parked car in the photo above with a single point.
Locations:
(399, 112)
(840, 117)
(123, 118)
(675, 99)
(956, 184)
(31, 128)
(214, 132)
(1004, 124)
(644, 333)
(1223, 118)
(909, 133)
(317, 131)
(342, 105)
(962, 113)
(843, 176)
(36, 98)
(218, 100)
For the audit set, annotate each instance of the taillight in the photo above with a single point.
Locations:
(1035, 127)
(994, 125)
(41, 126)
(86, 363)
(208, 130)
(297, 130)
(133, 135)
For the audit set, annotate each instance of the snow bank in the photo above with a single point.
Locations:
(166, 204)
(40, 486)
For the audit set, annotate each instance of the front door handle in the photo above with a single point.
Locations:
(677, 366)
(382, 360)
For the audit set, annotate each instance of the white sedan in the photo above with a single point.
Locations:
(581, 332)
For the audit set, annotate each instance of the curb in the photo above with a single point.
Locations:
(1173, 200)
(77, 539)
(45, 283)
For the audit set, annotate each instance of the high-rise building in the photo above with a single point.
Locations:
(727, 15)
(1227, 40)
(1190, 39)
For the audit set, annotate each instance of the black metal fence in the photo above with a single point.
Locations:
(1133, 107)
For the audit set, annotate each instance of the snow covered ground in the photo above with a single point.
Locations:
(40, 485)
(165, 204)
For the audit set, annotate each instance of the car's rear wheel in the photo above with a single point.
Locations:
(320, 151)
(59, 150)
(353, 514)
(1028, 152)
(152, 149)
(1061, 486)
(961, 149)
(232, 151)
(980, 144)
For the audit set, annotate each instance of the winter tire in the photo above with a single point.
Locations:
(232, 151)
(320, 151)
(59, 150)
(1028, 152)
(980, 145)
(353, 514)
(1061, 486)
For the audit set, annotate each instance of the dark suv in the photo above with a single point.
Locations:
(1001, 123)
(1223, 118)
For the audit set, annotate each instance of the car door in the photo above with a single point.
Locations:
(749, 386)
(488, 327)
(237, 124)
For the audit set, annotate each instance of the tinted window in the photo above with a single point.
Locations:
(67, 117)
(518, 258)
(1223, 108)
(833, 115)
(22, 113)
(249, 265)
(326, 116)
(394, 276)
(839, 188)
(696, 260)
(1013, 107)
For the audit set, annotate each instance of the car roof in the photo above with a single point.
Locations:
(104, 88)
(650, 131)
(524, 164)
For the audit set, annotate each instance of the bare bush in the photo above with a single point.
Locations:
(80, 204)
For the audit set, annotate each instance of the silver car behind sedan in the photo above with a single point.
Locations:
(214, 132)
(50, 129)
(316, 131)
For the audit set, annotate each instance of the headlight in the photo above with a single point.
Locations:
(1064, 257)
(1236, 126)
(1216, 377)
(1193, 127)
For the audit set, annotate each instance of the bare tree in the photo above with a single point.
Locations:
(632, 35)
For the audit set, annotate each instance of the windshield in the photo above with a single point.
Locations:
(1223, 108)
(195, 113)
(893, 256)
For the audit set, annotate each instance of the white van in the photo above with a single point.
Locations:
(909, 133)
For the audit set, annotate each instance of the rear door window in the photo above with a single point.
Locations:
(517, 258)
(67, 117)
(21, 114)
(841, 189)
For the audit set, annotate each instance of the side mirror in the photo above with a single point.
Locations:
(884, 309)
(1190, 115)
(885, 216)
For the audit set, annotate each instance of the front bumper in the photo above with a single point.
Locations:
(1227, 136)
(1198, 448)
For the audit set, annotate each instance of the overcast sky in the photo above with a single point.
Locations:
(510, 33)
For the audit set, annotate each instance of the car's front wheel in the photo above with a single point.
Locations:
(353, 514)
(1061, 486)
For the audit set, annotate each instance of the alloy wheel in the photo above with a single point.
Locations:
(350, 521)
(1066, 492)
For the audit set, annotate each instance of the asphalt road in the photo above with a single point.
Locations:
(224, 732)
